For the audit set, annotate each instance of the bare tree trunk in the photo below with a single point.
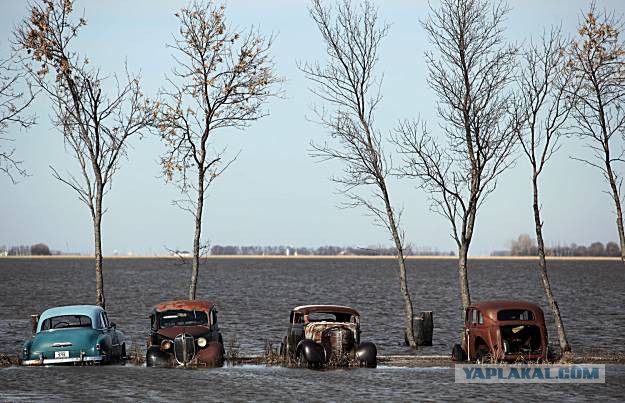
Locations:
(617, 203)
(198, 233)
(97, 235)
(542, 264)
(462, 274)
(401, 260)
(463, 253)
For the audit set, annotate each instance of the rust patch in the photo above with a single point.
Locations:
(187, 305)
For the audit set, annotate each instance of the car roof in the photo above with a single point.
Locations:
(185, 304)
(305, 309)
(497, 305)
(92, 311)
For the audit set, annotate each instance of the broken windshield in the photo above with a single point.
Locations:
(182, 318)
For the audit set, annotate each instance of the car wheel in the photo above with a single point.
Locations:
(457, 353)
(300, 359)
(482, 356)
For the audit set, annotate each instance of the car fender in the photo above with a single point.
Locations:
(106, 343)
(212, 354)
(367, 354)
(155, 357)
(312, 352)
(26, 349)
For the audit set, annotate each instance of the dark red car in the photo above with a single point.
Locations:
(184, 333)
(502, 331)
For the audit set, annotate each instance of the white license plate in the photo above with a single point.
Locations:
(61, 354)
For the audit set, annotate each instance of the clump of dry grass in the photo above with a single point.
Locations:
(7, 361)
(272, 356)
(232, 355)
(136, 356)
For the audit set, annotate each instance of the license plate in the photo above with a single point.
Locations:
(61, 354)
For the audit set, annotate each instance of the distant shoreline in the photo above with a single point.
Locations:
(322, 257)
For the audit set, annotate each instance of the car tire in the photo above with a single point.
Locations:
(300, 360)
(482, 356)
(457, 353)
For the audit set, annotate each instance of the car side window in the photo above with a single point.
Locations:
(467, 316)
(104, 320)
(297, 318)
(474, 316)
(480, 318)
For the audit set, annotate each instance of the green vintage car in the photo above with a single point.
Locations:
(73, 335)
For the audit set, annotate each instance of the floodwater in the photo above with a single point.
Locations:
(254, 297)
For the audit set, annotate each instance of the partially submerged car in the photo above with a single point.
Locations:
(184, 332)
(503, 331)
(77, 334)
(326, 335)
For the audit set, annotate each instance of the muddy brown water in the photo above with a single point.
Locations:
(254, 297)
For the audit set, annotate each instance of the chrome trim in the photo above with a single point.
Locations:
(47, 361)
(63, 344)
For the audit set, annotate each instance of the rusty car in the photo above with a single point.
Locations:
(183, 333)
(502, 331)
(321, 335)
(73, 335)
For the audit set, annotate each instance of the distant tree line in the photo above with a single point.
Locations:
(38, 249)
(526, 246)
(327, 250)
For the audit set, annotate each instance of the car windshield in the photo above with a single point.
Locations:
(330, 317)
(66, 321)
(515, 314)
(182, 318)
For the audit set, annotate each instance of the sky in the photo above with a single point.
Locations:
(276, 193)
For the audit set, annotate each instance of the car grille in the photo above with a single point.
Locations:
(184, 348)
(338, 342)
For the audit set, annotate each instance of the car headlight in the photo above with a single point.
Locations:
(201, 342)
(166, 344)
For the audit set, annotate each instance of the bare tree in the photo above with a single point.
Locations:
(348, 85)
(598, 60)
(95, 126)
(15, 97)
(470, 73)
(222, 79)
(547, 96)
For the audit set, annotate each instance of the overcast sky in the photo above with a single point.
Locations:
(275, 193)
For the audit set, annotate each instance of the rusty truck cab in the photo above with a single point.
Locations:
(503, 331)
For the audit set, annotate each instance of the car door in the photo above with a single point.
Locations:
(471, 330)
(295, 331)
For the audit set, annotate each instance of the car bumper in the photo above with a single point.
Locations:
(74, 360)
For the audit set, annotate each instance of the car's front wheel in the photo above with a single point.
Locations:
(482, 356)
(155, 357)
(457, 353)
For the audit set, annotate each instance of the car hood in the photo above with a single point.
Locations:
(172, 332)
(314, 330)
(80, 338)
